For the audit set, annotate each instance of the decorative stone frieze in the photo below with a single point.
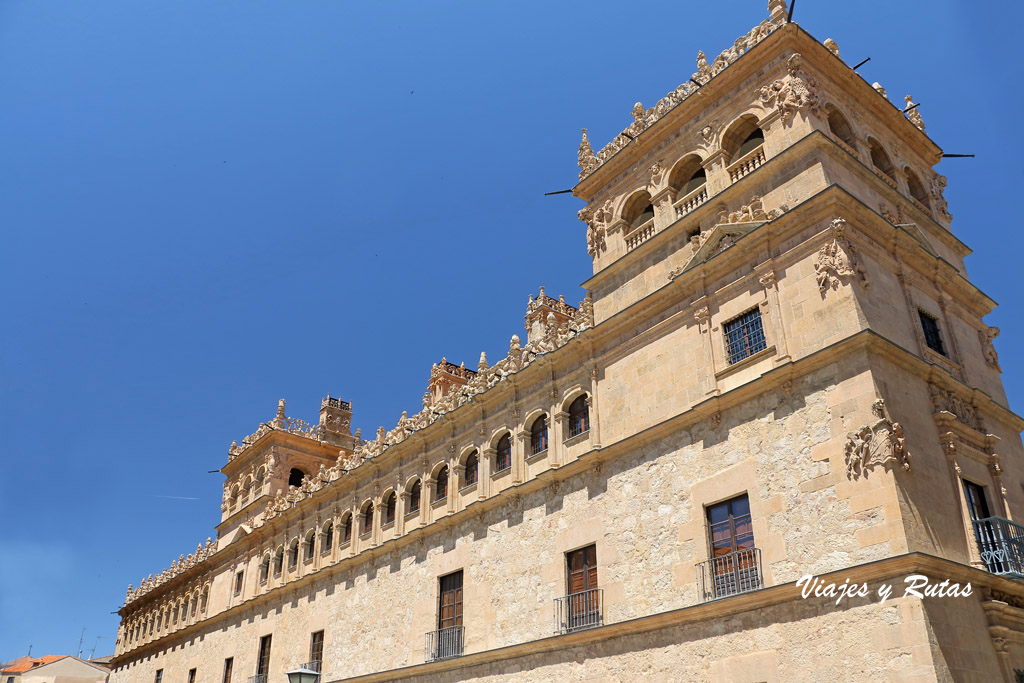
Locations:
(878, 443)
(951, 402)
(837, 261)
(179, 566)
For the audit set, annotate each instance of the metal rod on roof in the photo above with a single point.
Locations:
(694, 82)
(862, 63)
(789, 17)
(913, 106)
(545, 194)
(957, 156)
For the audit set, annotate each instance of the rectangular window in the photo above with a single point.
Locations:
(449, 611)
(191, 676)
(734, 561)
(930, 326)
(159, 676)
(263, 660)
(229, 664)
(239, 577)
(744, 336)
(316, 652)
(977, 506)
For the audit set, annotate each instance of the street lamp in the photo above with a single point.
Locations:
(303, 675)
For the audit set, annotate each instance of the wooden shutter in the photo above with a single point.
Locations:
(582, 569)
(450, 609)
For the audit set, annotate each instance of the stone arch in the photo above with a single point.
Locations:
(880, 158)
(414, 489)
(366, 511)
(915, 186)
(389, 506)
(840, 125)
(346, 527)
(742, 136)
(687, 175)
(540, 433)
(637, 209)
(309, 545)
(279, 560)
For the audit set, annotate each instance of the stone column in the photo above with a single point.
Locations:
(717, 177)
(486, 467)
(519, 454)
(778, 332)
(558, 431)
(592, 411)
(703, 318)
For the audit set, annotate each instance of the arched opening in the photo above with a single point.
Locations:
(638, 210)
(415, 492)
(203, 599)
(471, 471)
(327, 538)
(840, 127)
(295, 477)
(503, 453)
(278, 560)
(246, 491)
(310, 543)
(193, 606)
(880, 159)
(346, 529)
(742, 138)
(367, 519)
(265, 568)
(915, 186)
(539, 435)
(441, 485)
(293, 554)
(579, 416)
(390, 506)
(687, 176)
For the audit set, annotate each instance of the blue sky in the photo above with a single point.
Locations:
(208, 206)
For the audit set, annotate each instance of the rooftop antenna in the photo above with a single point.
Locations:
(559, 192)
(92, 652)
(789, 17)
(29, 650)
(957, 156)
(80, 639)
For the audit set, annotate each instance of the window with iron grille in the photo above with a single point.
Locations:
(390, 506)
(191, 676)
(441, 486)
(229, 664)
(930, 326)
(159, 676)
(503, 454)
(316, 651)
(414, 496)
(239, 578)
(744, 336)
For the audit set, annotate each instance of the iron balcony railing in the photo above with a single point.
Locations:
(1001, 543)
(313, 665)
(578, 611)
(732, 574)
(444, 643)
(259, 678)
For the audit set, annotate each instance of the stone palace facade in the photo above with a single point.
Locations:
(780, 369)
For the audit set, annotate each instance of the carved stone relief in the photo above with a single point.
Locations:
(793, 93)
(951, 402)
(988, 349)
(878, 443)
(837, 260)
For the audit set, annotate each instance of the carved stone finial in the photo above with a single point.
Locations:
(777, 9)
(831, 46)
(482, 365)
(913, 115)
(879, 89)
(585, 157)
(790, 94)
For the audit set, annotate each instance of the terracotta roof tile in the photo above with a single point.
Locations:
(23, 664)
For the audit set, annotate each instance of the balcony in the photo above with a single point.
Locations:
(747, 163)
(579, 611)
(732, 574)
(444, 643)
(691, 201)
(638, 235)
(1001, 544)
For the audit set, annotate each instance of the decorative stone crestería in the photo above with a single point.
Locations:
(879, 89)
(793, 93)
(878, 443)
(837, 260)
(587, 161)
(832, 47)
